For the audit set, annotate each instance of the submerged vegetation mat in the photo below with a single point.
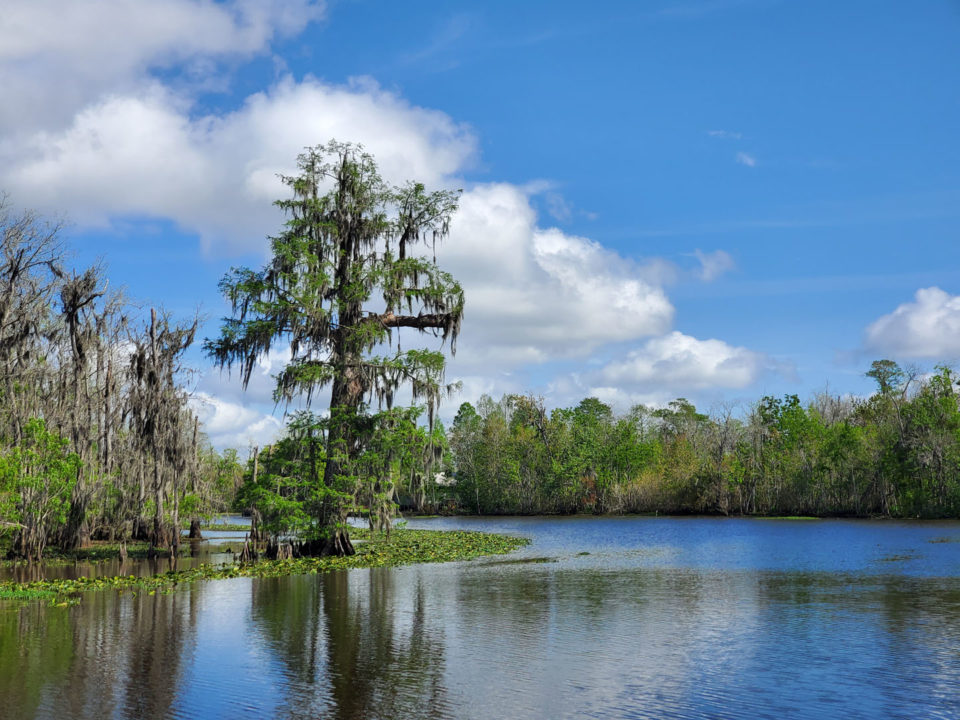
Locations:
(403, 547)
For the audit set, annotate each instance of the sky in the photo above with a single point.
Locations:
(710, 199)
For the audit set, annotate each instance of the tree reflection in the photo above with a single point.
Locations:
(109, 656)
(159, 627)
(36, 651)
(354, 644)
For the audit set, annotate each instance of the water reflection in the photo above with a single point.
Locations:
(682, 643)
(110, 656)
(631, 630)
(351, 646)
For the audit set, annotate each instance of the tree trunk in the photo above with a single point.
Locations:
(338, 543)
(346, 396)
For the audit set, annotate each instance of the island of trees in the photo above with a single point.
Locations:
(98, 440)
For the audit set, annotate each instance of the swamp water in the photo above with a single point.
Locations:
(597, 617)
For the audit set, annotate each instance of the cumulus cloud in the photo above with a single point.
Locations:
(216, 175)
(682, 364)
(665, 368)
(535, 294)
(57, 57)
(232, 424)
(746, 159)
(928, 327)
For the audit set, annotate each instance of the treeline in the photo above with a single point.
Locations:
(96, 437)
(896, 454)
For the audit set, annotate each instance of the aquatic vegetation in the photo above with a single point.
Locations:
(899, 557)
(26, 593)
(402, 547)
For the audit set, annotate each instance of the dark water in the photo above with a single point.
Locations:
(664, 618)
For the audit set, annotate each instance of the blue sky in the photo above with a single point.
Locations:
(715, 199)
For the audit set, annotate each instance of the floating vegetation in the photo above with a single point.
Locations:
(524, 561)
(899, 558)
(938, 540)
(25, 593)
(403, 547)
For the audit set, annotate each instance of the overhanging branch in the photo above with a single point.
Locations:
(423, 321)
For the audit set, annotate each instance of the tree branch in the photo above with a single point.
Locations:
(433, 320)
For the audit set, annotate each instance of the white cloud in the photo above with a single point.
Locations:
(216, 175)
(680, 364)
(713, 265)
(57, 57)
(928, 327)
(746, 159)
(231, 424)
(535, 294)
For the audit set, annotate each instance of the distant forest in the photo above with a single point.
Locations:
(895, 454)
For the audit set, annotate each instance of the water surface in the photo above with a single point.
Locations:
(598, 617)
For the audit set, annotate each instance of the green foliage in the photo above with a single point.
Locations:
(36, 481)
(889, 376)
(396, 461)
(284, 489)
(897, 453)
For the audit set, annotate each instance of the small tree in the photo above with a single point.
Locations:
(348, 237)
(36, 480)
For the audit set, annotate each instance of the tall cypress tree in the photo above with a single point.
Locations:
(345, 274)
